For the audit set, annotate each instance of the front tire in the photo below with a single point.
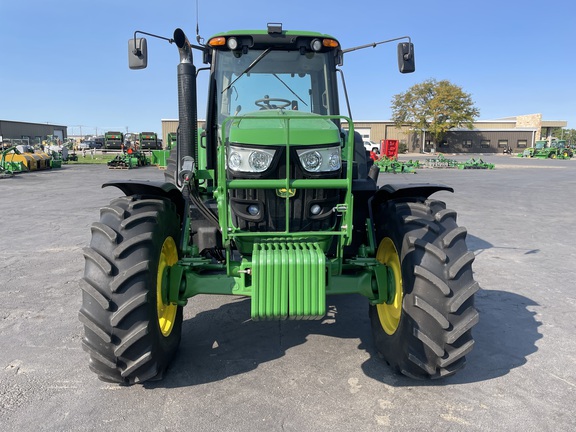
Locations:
(426, 330)
(130, 334)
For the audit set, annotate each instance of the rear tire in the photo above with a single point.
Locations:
(130, 335)
(426, 331)
(170, 171)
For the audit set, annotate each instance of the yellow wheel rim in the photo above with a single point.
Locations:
(389, 314)
(166, 312)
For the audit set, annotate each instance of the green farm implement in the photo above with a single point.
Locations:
(160, 158)
(273, 200)
(11, 162)
(442, 162)
(475, 164)
(24, 158)
(395, 166)
(128, 160)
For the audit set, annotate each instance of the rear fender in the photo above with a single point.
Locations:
(165, 190)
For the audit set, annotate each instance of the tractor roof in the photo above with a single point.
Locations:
(284, 33)
(274, 36)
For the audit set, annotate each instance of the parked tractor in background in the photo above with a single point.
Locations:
(553, 149)
(113, 140)
(564, 150)
(273, 200)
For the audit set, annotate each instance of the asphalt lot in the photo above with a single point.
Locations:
(233, 374)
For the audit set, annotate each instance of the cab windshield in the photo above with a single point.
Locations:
(285, 80)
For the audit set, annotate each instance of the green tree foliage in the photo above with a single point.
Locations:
(569, 135)
(566, 134)
(435, 107)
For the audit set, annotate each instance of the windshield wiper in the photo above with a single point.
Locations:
(249, 68)
(288, 87)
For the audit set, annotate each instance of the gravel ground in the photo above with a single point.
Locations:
(235, 374)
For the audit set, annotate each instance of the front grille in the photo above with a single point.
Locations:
(272, 203)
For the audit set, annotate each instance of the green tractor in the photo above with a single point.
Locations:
(273, 200)
(564, 150)
(555, 149)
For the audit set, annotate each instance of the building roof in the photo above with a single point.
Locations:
(32, 123)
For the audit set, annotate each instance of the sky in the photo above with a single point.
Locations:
(65, 62)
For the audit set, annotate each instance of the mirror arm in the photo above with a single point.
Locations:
(138, 53)
(373, 45)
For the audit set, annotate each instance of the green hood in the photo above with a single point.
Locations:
(278, 127)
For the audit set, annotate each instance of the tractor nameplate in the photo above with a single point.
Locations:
(285, 193)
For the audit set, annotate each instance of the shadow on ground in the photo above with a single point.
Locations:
(217, 344)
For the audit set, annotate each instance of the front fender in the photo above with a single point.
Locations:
(155, 188)
(403, 191)
(406, 190)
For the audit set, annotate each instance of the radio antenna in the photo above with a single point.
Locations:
(199, 38)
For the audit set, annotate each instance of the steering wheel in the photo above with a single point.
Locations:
(265, 103)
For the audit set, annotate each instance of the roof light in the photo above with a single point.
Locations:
(316, 45)
(330, 43)
(232, 43)
(217, 41)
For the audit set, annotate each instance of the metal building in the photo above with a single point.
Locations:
(34, 132)
(487, 136)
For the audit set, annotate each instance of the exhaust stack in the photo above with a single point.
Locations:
(187, 112)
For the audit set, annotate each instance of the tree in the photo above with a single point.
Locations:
(566, 134)
(435, 107)
(569, 135)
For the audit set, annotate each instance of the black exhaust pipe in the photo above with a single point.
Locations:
(187, 112)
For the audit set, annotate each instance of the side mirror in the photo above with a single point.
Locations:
(137, 53)
(406, 57)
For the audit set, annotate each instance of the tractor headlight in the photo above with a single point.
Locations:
(249, 160)
(320, 159)
(311, 160)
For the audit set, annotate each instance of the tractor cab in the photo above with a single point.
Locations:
(286, 71)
